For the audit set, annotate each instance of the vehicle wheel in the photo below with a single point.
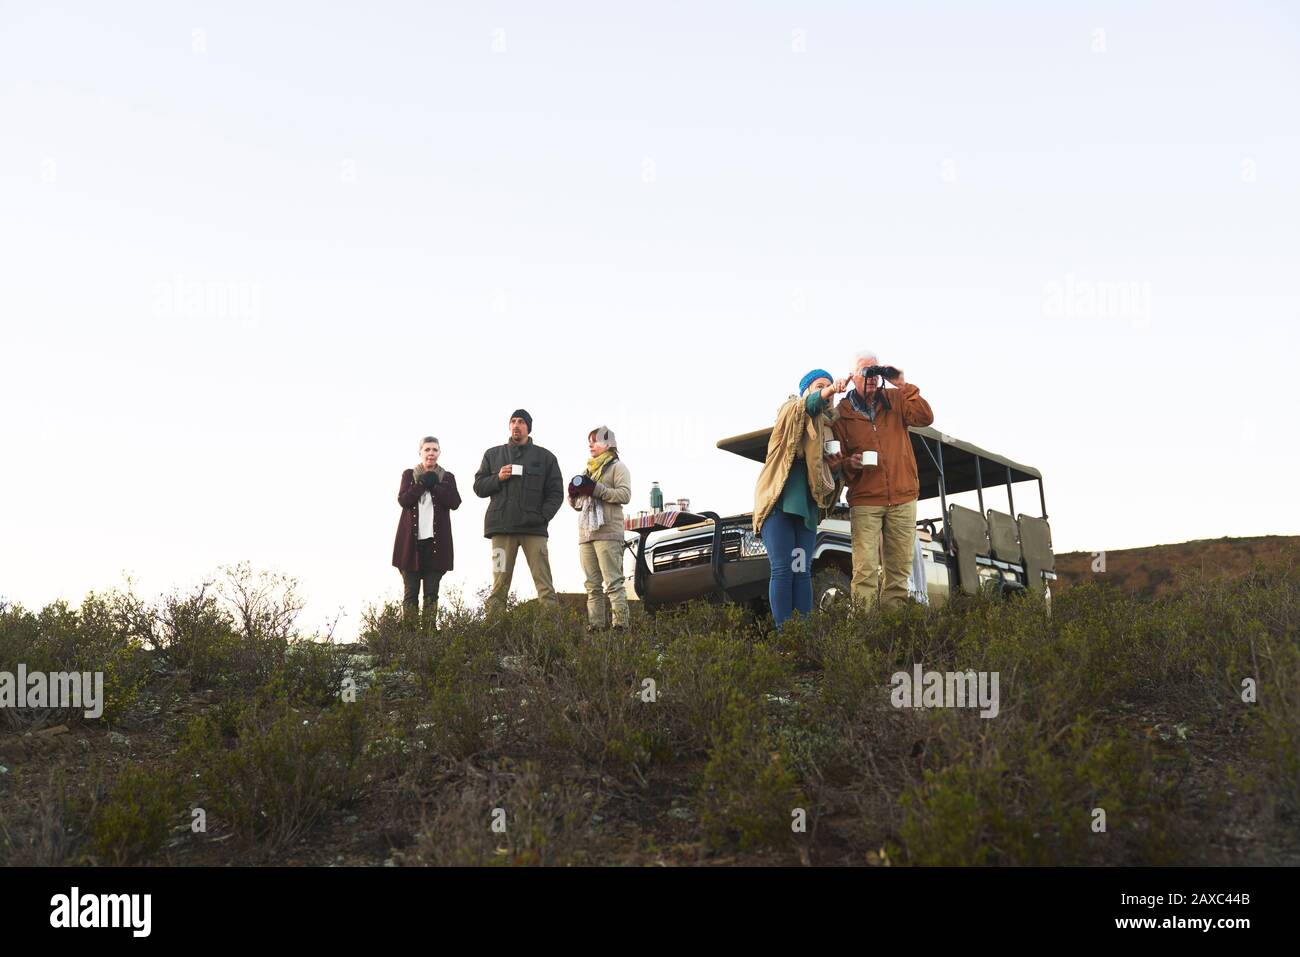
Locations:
(830, 588)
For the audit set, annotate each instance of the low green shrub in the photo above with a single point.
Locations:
(599, 702)
(282, 772)
(133, 821)
(98, 637)
(508, 815)
(747, 795)
(702, 671)
(1030, 798)
(53, 834)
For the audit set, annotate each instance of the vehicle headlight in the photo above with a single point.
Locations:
(751, 545)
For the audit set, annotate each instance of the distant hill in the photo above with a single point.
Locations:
(1152, 570)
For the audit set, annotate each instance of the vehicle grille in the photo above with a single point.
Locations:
(737, 544)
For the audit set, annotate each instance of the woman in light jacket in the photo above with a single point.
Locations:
(797, 486)
(599, 495)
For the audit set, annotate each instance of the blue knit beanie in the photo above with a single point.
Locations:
(812, 377)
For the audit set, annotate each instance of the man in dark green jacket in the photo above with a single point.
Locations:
(522, 481)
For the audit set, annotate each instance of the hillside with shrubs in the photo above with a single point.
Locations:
(697, 736)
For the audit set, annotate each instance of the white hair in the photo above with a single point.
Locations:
(864, 354)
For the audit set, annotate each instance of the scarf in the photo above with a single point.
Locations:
(596, 465)
(593, 512)
(868, 406)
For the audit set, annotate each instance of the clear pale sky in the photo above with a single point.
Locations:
(250, 253)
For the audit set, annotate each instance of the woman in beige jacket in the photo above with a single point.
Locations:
(599, 495)
(799, 482)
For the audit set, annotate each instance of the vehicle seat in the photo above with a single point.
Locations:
(1036, 544)
(1004, 537)
(970, 537)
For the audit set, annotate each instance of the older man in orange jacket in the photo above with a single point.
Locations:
(880, 474)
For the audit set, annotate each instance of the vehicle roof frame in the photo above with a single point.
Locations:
(962, 470)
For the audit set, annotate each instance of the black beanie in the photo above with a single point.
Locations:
(523, 414)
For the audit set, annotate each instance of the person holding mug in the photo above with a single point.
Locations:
(598, 495)
(798, 485)
(871, 423)
(422, 550)
(525, 489)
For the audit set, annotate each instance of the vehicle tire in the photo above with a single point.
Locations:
(830, 588)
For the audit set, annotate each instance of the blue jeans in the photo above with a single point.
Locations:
(790, 553)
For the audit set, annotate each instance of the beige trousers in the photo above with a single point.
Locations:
(602, 562)
(898, 525)
(504, 550)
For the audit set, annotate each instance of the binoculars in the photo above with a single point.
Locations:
(870, 372)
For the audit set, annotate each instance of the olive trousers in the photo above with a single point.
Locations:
(877, 582)
(505, 548)
(602, 563)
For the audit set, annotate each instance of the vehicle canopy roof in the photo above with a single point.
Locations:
(959, 459)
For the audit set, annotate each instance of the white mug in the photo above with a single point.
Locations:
(832, 447)
(516, 469)
(869, 457)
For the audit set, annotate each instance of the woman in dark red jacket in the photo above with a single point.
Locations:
(422, 551)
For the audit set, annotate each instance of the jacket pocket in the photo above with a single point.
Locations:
(865, 439)
(613, 521)
(532, 497)
(909, 479)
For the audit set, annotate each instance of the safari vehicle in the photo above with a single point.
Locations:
(686, 555)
